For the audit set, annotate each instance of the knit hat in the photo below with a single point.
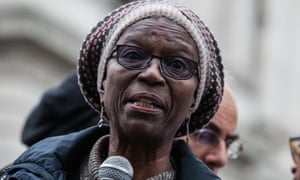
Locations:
(100, 42)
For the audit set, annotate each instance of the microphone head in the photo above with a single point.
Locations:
(116, 168)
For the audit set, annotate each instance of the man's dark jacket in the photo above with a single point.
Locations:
(61, 110)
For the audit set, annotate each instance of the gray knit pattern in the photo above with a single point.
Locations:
(99, 43)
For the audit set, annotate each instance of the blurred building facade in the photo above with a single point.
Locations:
(40, 41)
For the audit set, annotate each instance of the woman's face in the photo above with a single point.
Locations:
(145, 103)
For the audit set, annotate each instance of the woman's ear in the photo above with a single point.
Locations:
(189, 113)
(101, 93)
(101, 88)
(192, 105)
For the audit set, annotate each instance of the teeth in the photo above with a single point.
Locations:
(144, 104)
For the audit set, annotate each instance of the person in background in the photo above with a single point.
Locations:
(61, 110)
(134, 68)
(217, 141)
(295, 152)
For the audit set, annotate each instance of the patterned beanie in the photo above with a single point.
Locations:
(100, 42)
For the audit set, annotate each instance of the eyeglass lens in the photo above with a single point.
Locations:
(206, 137)
(175, 67)
(209, 137)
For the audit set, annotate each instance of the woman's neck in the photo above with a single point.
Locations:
(146, 161)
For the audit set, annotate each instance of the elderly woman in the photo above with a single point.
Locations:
(153, 72)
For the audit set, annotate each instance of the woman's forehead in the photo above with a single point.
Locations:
(144, 31)
(157, 23)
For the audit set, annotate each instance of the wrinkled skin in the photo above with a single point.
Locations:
(141, 132)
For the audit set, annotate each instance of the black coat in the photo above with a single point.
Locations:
(62, 110)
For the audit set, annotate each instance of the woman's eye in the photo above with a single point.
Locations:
(132, 55)
(176, 63)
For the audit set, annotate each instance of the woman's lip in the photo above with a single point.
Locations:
(146, 104)
(147, 99)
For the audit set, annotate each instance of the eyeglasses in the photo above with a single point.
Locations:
(134, 58)
(209, 138)
(295, 148)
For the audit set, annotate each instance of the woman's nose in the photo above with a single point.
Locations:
(152, 73)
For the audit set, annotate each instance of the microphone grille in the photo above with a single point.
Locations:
(116, 167)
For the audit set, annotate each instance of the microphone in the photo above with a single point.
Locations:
(116, 168)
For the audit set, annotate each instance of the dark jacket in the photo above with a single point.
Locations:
(58, 158)
(62, 110)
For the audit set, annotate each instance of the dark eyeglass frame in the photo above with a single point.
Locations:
(192, 66)
(295, 148)
(207, 136)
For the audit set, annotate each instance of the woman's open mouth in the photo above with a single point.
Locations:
(146, 103)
